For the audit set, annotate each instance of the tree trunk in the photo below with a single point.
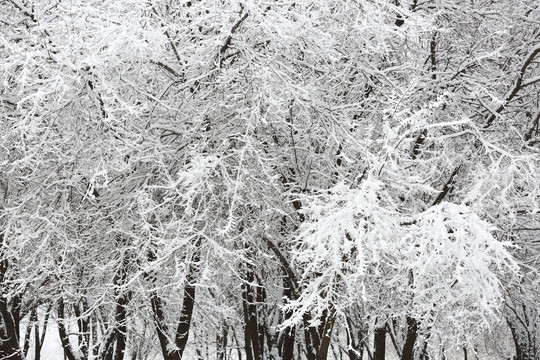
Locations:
(287, 338)
(221, 342)
(261, 326)
(412, 334)
(9, 311)
(175, 351)
(31, 322)
(379, 343)
(39, 337)
(162, 329)
(69, 352)
(326, 335)
(355, 349)
(121, 326)
(251, 327)
(82, 323)
(9, 339)
(182, 331)
(247, 329)
(311, 339)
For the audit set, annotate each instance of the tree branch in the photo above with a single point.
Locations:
(517, 86)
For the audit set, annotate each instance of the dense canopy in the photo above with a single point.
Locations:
(308, 179)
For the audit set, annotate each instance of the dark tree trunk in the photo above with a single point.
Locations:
(69, 353)
(182, 331)
(355, 347)
(39, 338)
(525, 348)
(82, 322)
(9, 337)
(261, 325)
(247, 330)
(287, 338)
(379, 343)
(161, 326)
(221, 342)
(310, 335)
(412, 334)
(121, 327)
(9, 311)
(251, 327)
(326, 334)
(390, 329)
(184, 323)
(31, 322)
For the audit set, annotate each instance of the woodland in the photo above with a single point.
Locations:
(249, 179)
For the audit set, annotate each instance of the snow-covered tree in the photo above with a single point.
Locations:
(269, 175)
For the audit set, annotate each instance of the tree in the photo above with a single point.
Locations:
(269, 175)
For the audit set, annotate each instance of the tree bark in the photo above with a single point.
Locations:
(9, 339)
(182, 331)
(326, 335)
(379, 343)
(355, 349)
(251, 327)
(121, 326)
(288, 336)
(221, 342)
(39, 338)
(162, 329)
(412, 334)
(69, 353)
(9, 311)
(82, 323)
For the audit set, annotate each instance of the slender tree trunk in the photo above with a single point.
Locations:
(390, 328)
(247, 328)
(287, 338)
(310, 338)
(39, 338)
(121, 326)
(182, 331)
(221, 342)
(412, 334)
(355, 348)
(238, 349)
(251, 327)
(9, 319)
(69, 352)
(82, 323)
(175, 351)
(31, 322)
(95, 335)
(261, 328)
(161, 326)
(379, 343)
(326, 335)
(9, 339)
